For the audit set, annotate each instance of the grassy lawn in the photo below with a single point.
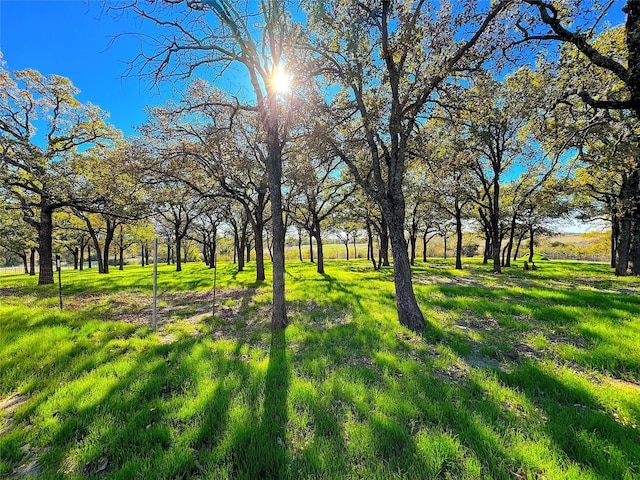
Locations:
(527, 375)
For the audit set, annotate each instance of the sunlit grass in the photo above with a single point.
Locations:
(532, 374)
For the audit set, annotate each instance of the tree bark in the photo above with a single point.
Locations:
(45, 249)
(615, 232)
(384, 242)
(259, 247)
(274, 173)
(32, 261)
(311, 247)
(458, 237)
(25, 265)
(409, 313)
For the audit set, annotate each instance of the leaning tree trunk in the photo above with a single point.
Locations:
(45, 249)
(409, 313)
(512, 236)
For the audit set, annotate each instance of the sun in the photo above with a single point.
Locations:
(281, 81)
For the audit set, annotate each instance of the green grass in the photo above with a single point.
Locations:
(530, 374)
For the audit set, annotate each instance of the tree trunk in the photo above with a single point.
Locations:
(89, 256)
(346, 247)
(458, 238)
(108, 238)
(413, 239)
(512, 236)
(444, 239)
(25, 265)
(384, 243)
(615, 232)
(240, 253)
(178, 252)
(45, 249)
(635, 244)
(75, 252)
(355, 251)
(310, 247)
(519, 244)
(32, 261)
(274, 172)
(317, 234)
(300, 245)
(409, 313)
(424, 246)
(142, 254)
(82, 245)
(259, 244)
(320, 251)
(627, 210)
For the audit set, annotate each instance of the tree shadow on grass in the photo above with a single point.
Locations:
(260, 451)
(579, 424)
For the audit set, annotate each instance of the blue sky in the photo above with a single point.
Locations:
(72, 38)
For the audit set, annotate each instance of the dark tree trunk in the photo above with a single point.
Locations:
(311, 247)
(242, 240)
(635, 245)
(384, 243)
(519, 243)
(89, 256)
(108, 238)
(142, 259)
(32, 261)
(413, 239)
(300, 245)
(615, 233)
(320, 251)
(444, 239)
(409, 313)
(627, 210)
(82, 246)
(45, 249)
(370, 253)
(25, 265)
(168, 253)
(424, 246)
(346, 248)
(458, 237)
(75, 252)
(355, 251)
(259, 244)
(317, 234)
(235, 246)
